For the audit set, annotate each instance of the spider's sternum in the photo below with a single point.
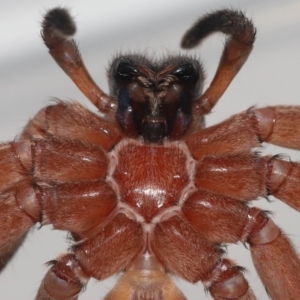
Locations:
(151, 180)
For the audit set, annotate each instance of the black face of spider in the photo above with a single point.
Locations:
(155, 100)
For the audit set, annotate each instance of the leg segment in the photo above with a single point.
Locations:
(239, 134)
(115, 246)
(64, 206)
(235, 53)
(283, 181)
(59, 160)
(227, 281)
(69, 175)
(182, 251)
(70, 120)
(208, 214)
(19, 208)
(17, 212)
(64, 280)
(279, 125)
(7, 252)
(12, 170)
(247, 176)
(186, 253)
(274, 257)
(234, 135)
(57, 27)
(239, 176)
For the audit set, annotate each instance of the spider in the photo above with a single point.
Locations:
(144, 188)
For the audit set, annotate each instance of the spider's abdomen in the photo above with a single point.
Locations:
(150, 178)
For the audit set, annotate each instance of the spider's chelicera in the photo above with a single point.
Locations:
(144, 189)
(155, 99)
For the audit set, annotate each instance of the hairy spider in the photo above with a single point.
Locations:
(144, 188)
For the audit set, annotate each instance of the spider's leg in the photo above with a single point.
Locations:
(19, 208)
(71, 121)
(57, 28)
(226, 281)
(234, 135)
(283, 180)
(223, 220)
(274, 257)
(64, 280)
(99, 253)
(237, 48)
(237, 135)
(240, 175)
(279, 125)
(187, 253)
(208, 213)
(7, 252)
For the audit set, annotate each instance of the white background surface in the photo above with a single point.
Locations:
(29, 78)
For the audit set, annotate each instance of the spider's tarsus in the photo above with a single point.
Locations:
(229, 22)
(59, 22)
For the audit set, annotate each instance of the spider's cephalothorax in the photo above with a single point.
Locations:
(155, 100)
(143, 188)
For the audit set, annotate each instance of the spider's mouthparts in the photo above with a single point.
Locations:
(154, 129)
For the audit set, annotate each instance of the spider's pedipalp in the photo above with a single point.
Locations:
(241, 36)
(59, 22)
(232, 23)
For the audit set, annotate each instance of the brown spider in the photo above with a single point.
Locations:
(172, 188)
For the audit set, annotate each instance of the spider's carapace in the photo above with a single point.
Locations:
(143, 188)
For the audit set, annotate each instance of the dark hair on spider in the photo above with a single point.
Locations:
(130, 62)
(155, 97)
(59, 22)
(227, 21)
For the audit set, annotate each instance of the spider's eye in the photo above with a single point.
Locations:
(187, 73)
(125, 70)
